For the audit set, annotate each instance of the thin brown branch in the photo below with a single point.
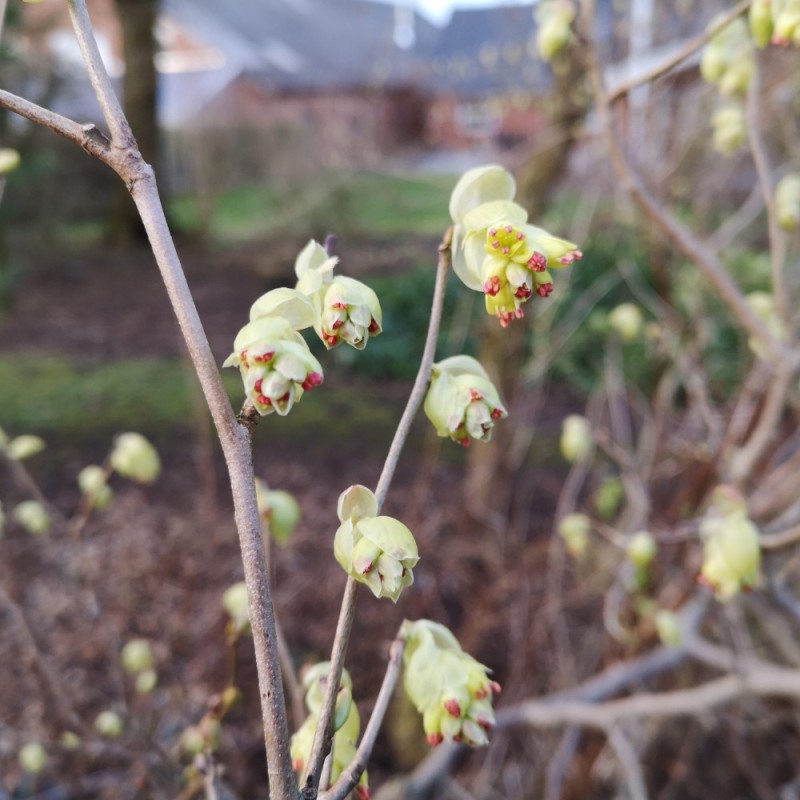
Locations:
(629, 761)
(681, 54)
(324, 734)
(350, 777)
(694, 248)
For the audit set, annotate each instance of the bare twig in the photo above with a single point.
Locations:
(629, 761)
(323, 735)
(681, 54)
(350, 777)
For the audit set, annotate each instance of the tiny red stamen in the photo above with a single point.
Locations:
(497, 413)
(363, 792)
(373, 326)
(544, 290)
(330, 338)
(492, 286)
(496, 688)
(338, 324)
(474, 394)
(496, 244)
(492, 231)
(538, 262)
(520, 236)
(264, 401)
(523, 293)
(435, 739)
(465, 442)
(509, 228)
(339, 305)
(482, 694)
(506, 251)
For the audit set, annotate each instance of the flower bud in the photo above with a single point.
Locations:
(728, 59)
(314, 268)
(641, 549)
(32, 758)
(574, 530)
(92, 483)
(279, 510)
(314, 679)
(22, 447)
(787, 23)
(731, 552)
(576, 441)
(350, 312)
(730, 129)
(608, 496)
(108, 724)
(69, 741)
(9, 158)
(137, 656)
(33, 517)
(462, 403)
(761, 22)
(668, 627)
(787, 201)
(555, 18)
(135, 458)
(276, 364)
(235, 604)
(763, 304)
(146, 681)
(626, 320)
(192, 741)
(378, 551)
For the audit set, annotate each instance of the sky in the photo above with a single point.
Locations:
(439, 11)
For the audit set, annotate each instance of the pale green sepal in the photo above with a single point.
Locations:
(356, 503)
(289, 304)
(480, 185)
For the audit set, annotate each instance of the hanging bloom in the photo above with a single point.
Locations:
(641, 549)
(33, 517)
(731, 552)
(451, 690)
(236, 605)
(92, 481)
(278, 509)
(728, 59)
(462, 402)
(495, 251)
(32, 757)
(574, 529)
(25, 446)
(555, 18)
(626, 320)
(276, 364)
(349, 312)
(577, 440)
(9, 158)
(378, 551)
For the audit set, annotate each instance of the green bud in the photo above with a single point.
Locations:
(730, 129)
(763, 304)
(787, 201)
(69, 741)
(137, 656)
(276, 364)
(731, 551)
(108, 724)
(626, 319)
(314, 679)
(235, 604)
(761, 22)
(192, 741)
(787, 23)
(554, 18)
(668, 627)
(279, 509)
(9, 158)
(92, 483)
(33, 517)
(314, 266)
(641, 549)
(32, 758)
(462, 403)
(22, 447)
(577, 441)
(608, 496)
(574, 530)
(146, 681)
(133, 457)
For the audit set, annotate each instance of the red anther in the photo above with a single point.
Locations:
(496, 687)
(340, 305)
(268, 356)
(492, 231)
(264, 401)
(330, 338)
(312, 380)
(373, 326)
(257, 385)
(571, 258)
(520, 236)
(485, 724)
(481, 694)
(538, 262)
(284, 399)
(243, 357)
(452, 707)
(497, 413)
(474, 394)
(506, 251)
(466, 442)
(458, 738)
(297, 765)
(519, 313)
(338, 324)
(508, 228)
(544, 290)
(496, 244)
(363, 792)
(524, 292)
(492, 286)
(367, 569)
(434, 739)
